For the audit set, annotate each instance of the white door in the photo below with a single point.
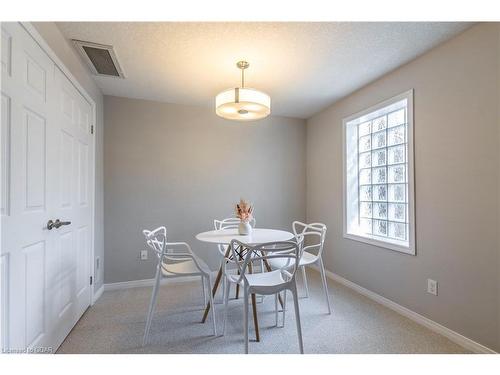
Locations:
(72, 205)
(46, 165)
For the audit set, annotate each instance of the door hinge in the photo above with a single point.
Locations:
(91, 129)
(91, 280)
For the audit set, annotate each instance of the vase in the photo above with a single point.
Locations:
(244, 228)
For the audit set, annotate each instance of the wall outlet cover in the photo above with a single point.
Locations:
(97, 273)
(432, 287)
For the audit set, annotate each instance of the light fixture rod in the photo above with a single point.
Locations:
(242, 65)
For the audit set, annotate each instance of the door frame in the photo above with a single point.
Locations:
(31, 30)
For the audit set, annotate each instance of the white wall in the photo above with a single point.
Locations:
(65, 51)
(457, 187)
(182, 166)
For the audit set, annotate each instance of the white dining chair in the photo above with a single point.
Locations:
(263, 283)
(311, 254)
(229, 223)
(175, 259)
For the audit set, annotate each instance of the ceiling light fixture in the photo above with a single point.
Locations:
(241, 103)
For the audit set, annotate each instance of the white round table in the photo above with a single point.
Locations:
(258, 236)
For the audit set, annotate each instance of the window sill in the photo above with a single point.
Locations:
(410, 250)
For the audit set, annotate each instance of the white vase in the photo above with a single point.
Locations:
(244, 228)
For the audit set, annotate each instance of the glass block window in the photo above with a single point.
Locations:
(378, 175)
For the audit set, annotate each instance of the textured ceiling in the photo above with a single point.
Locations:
(303, 66)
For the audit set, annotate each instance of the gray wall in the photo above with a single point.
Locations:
(182, 167)
(67, 54)
(498, 212)
(457, 187)
(168, 158)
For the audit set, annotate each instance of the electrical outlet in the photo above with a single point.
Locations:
(144, 255)
(432, 287)
(97, 268)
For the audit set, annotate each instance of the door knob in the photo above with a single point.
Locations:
(50, 225)
(58, 223)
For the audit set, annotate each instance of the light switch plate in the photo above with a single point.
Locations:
(144, 255)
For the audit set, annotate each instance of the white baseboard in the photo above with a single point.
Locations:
(148, 282)
(97, 294)
(456, 337)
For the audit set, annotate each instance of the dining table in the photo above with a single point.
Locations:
(256, 237)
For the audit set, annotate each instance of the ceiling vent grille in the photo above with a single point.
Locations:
(101, 58)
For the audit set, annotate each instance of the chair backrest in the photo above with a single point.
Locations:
(169, 253)
(230, 222)
(314, 236)
(156, 240)
(246, 255)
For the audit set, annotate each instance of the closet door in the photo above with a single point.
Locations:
(42, 164)
(28, 154)
(72, 204)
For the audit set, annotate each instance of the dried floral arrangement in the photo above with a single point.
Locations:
(244, 211)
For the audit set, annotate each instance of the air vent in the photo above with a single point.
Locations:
(101, 58)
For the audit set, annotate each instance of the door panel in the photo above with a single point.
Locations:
(34, 159)
(4, 154)
(66, 175)
(34, 268)
(6, 51)
(82, 259)
(36, 77)
(65, 272)
(83, 175)
(4, 300)
(45, 167)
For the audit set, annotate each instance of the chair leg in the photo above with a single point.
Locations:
(297, 317)
(223, 291)
(245, 319)
(209, 279)
(204, 291)
(276, 308)
(152, 304)
(238, 285)
(304, 277)
(325, 285)
(227, 287)
(284, 307)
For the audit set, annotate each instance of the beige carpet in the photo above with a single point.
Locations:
(115, 324)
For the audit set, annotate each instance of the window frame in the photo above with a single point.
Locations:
(369, 239)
